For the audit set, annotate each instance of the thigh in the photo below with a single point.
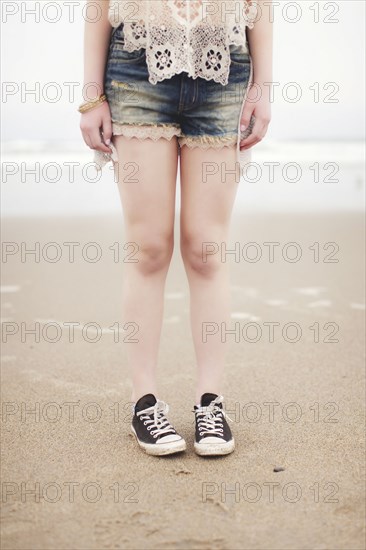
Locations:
(209, 181)
(144, 130)
(146, 173)
(210, 170)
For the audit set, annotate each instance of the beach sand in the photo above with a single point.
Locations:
(296, 406)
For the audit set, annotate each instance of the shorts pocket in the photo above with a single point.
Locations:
(117, 52)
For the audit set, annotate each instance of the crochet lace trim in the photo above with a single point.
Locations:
(206, 142)
(145, 131)
(155, 132)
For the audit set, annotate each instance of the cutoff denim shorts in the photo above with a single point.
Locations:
(199, 112)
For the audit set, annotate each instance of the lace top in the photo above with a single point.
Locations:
(184, 35)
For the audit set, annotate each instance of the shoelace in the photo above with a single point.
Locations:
(207, 420)
(159, 421)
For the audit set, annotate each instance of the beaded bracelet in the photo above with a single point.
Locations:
(89, 105)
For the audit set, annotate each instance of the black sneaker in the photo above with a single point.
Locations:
(213, 435)
(153, 431)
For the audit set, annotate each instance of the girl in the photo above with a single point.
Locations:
(165, 79)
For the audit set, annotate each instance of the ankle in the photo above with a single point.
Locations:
(137, 394)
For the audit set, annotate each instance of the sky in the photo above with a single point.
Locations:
(319, 53)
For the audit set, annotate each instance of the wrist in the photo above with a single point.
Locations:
(92, 90)
(90, 105)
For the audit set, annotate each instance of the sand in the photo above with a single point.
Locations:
(297, 407)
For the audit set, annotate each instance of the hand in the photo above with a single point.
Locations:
(261, 109)
(96, 127)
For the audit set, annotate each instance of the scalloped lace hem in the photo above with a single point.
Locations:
(137, 130)
(206, 142)
(155, 132)
(146, 131)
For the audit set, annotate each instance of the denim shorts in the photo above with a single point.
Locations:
(199, 112)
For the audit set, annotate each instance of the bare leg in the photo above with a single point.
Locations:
(147, 173)
(205, 217)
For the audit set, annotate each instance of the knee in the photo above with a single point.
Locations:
(200, 256)
(154, 254)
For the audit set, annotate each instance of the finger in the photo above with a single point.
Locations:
(246, 116)
(258, 133)
(251, 144)
(87, 139)
(107, 130)
(96, 141)
(250, 141)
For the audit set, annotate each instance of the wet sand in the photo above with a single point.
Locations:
(296, 406)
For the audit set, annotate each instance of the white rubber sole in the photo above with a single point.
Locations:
(214, 449)
(161, 449)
